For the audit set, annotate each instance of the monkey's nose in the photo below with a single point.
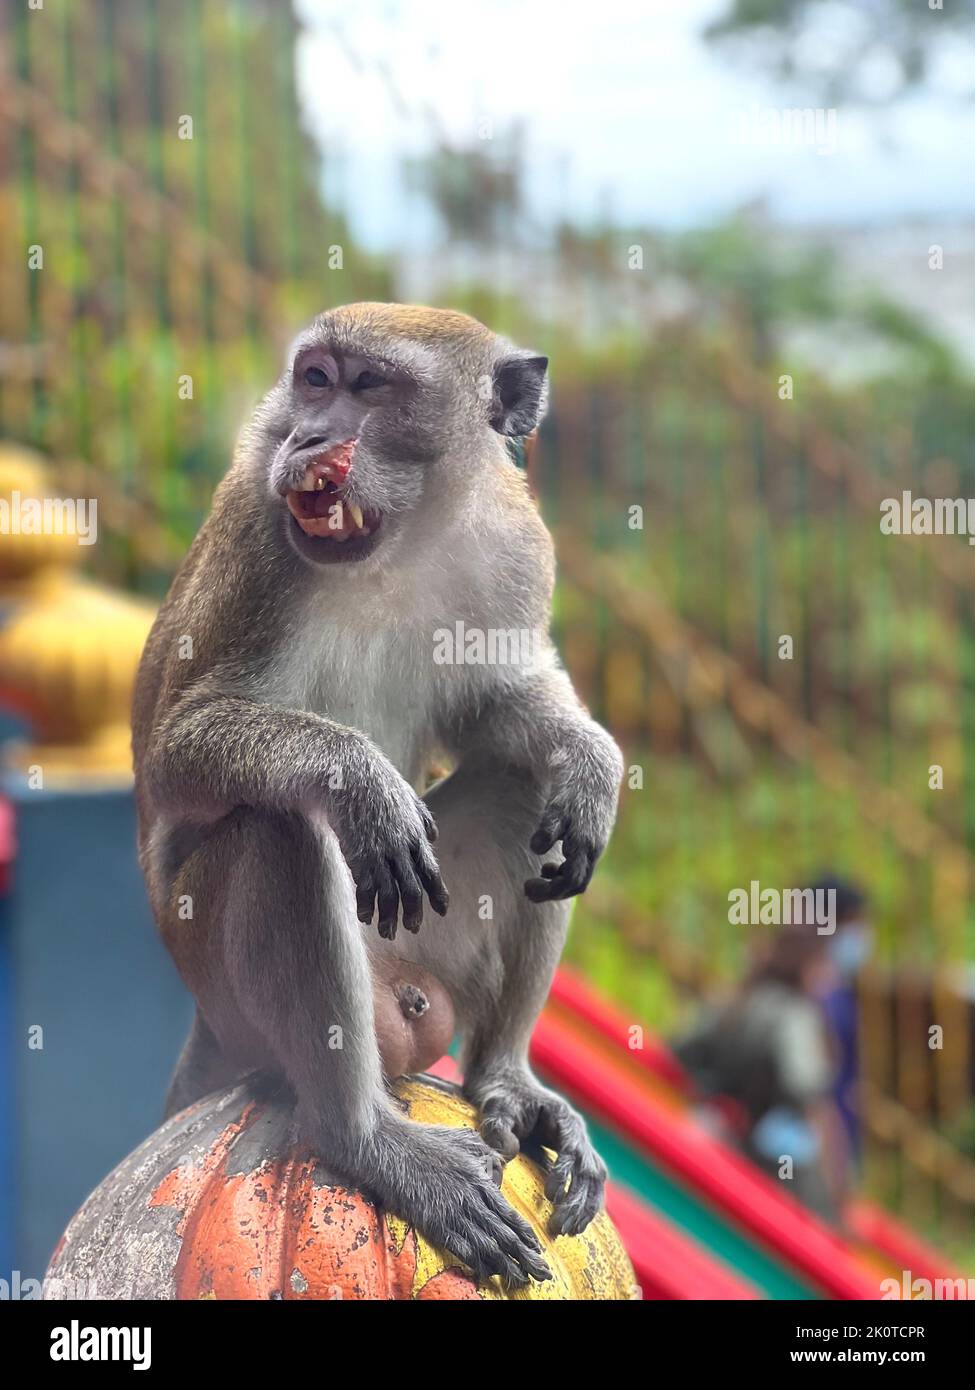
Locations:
(332, 465)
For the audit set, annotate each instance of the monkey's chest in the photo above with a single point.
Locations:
(383, 713)
(378, 685)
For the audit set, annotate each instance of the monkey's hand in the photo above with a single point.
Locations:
(445, 1182)
(581, 807)
(517, 1113)
(385, 832)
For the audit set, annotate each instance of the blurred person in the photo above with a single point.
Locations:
(765, 1069)
(847, 951)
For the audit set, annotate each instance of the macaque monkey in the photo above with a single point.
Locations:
(298, 682)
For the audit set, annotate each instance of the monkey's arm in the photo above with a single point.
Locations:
(215, 751)
(538, 722)
(558, 773)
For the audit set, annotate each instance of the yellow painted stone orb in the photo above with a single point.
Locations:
(224, 1202)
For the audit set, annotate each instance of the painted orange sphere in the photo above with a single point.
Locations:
(223, 1202)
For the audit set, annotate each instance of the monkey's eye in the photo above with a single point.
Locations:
(365, 380)
(316, 377)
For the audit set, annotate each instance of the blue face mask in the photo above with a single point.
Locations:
(849, 949)
(785, 1131)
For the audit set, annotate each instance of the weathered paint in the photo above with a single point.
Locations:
(224, 1203)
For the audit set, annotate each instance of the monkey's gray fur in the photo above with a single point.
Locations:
(288, 704)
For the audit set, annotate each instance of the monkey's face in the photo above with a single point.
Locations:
(330, 470)
(375, 397)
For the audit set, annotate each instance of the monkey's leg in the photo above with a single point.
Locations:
(201, 1068)
(295, 965)
(502, 972)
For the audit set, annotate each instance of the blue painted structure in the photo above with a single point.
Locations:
(81, 959)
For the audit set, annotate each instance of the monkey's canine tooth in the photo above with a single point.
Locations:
(356, 513)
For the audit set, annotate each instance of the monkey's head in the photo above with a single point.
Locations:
(384, 415)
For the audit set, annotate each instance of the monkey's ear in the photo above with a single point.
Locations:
(520, 394)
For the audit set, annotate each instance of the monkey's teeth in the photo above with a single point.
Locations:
(314, 479)
(330, 517)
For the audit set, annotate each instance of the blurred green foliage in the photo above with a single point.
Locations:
(837, 50)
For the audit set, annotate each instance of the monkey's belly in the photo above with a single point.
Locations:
(414, 1016)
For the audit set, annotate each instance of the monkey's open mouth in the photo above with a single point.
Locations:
(322, 509)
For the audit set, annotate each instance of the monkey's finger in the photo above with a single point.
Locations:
(561, 1175)
(570, 878)
(387, 899)
(365, 898)
(575, 1177)
(487, 1160)
(575, 1188)
(577, 873)
(497, 1130)
(558, 1135)
(429, 824)
(427, 818)
(558, 1178)
(428, 872)
(483, 1257)
(410, 892)
(503, 1212)
(554, 885)
(573, 1214)
(551, 828)
(539, 890)
(512, 1246)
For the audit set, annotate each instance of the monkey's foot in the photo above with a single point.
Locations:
(519, 1113)
(445, 1182)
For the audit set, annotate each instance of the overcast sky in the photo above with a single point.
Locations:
(624, 106)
